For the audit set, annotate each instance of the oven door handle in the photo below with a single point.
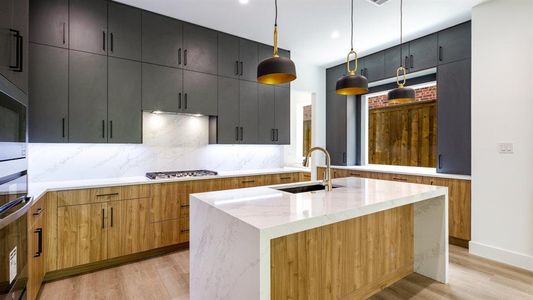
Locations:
(16, 214)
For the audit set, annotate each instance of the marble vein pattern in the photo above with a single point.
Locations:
(268, 213)
(170, 142)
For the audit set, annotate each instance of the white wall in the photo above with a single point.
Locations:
(502, 111)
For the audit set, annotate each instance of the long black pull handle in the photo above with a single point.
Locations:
(343, 157)
(242, 133)
(236, 133)
(236, 67)
(277, 135)
(103, 129)
(406, 64)
(179, 100)
(366, 72)
(412, 61)
(21, 41)
(273, 133)
(186, 105)
(185, 57)
(179, 56)
(39, 232)
(111, 44)
(103, 40)
(440, 53)
(63, 127)
(64, 33)
(110, 129)
(111, 216)
(242, 64)
(18, 52)
(103, 218)
(440, 161)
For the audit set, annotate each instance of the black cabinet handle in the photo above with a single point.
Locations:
(18, 51)
(103, 218)
(236, 133)
(277, 135)
(103, 129)
(406, 64)
(366, 72)
(273, 137)
(107, 195)
(236, 67)
(38, 211)
(111, 216)
(184, 205)
(64, 33)
(242, 67)
(362, 72)
(179, 56)
(356, 175)
(242, 134)
(184, 230)
(110, 129)
(399, 179)
(179, 100)
(343, 157)
(440, 53)
(439, 163)
(103, 40)
(39, 232)
(186, 106)
(411, 61)
(111, 44)
(63, 127)
(185, 57)
(248, 181)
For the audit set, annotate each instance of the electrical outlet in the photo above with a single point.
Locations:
(505, 148)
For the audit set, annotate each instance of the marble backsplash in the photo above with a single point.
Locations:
(170, 142)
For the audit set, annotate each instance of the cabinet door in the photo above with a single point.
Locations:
(455, 43)
(200, 49)
(248, 54)
(161, 88)
(454, 118)
(49, 22)
(392, 61)
(81, 234)
(87, 98)
(35, 258)
(124, 101)
(200, 93)
(7, 41)
(161, 40)
(332, 75)
(336, 127)
(228, 55)
(375, 66)
(13, 46)
(423, 53)
(228, 111)
(88, 26)
(283, 115)
(124, 31)
(267, 116)
(248, 112)
(48, 94)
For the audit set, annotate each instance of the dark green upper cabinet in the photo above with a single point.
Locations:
(423, 53)
(48, 89)
(200, 49)
(267, 116)
(332, 75)
(228, 55)
(248, 53)
(455, 43)
(199, 93)
(49, 22)
(336, 127)
(88, 26)
(248, 112)
(124, 101)
(161, 40)
(87, 97)
(283, 116)
(124, 31)
(161, 88)
(227, 122)
(375, 66)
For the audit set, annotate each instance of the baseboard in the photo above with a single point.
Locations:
(458, 242)
(512, 258)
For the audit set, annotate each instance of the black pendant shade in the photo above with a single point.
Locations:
(276, 70)
(401, 95)
(352, 84)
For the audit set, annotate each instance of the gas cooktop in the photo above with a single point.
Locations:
(180, 174)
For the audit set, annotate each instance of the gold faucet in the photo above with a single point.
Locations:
(327, 175)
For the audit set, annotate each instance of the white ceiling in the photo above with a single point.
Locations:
(306, 26)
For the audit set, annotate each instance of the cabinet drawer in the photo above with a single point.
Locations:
(288, 178)
(136, 191)
(75, 197)
(184, 209)
(36, 211)
(305, 176)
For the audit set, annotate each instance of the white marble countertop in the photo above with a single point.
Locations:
(404, 170)
(38, 189)
(276, 213)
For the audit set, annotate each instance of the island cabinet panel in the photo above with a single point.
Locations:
(351, 259)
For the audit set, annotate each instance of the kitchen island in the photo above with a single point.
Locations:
(265, 243)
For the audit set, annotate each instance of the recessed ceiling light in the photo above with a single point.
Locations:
(243, 1)
(335, 34)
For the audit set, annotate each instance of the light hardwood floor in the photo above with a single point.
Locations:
(167, 277)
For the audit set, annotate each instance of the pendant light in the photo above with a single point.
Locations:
(401, 94)
(276, 69)
(352, 83)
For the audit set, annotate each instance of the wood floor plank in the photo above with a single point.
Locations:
(167, 277)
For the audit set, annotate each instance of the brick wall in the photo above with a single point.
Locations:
(422, 94)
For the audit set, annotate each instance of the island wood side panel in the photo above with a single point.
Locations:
(351, 259)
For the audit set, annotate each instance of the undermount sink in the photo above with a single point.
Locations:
(304, 188)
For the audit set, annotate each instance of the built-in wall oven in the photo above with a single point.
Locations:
(14, 200)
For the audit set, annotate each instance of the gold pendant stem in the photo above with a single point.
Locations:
(354, 71)
(275, 41)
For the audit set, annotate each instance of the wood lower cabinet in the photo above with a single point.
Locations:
(459, 197)
(36, 230)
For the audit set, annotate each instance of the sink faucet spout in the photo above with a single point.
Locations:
(327, 176)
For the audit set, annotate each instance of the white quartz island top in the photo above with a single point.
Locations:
(231, 230)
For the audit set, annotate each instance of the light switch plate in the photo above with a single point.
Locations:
(505, 148)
